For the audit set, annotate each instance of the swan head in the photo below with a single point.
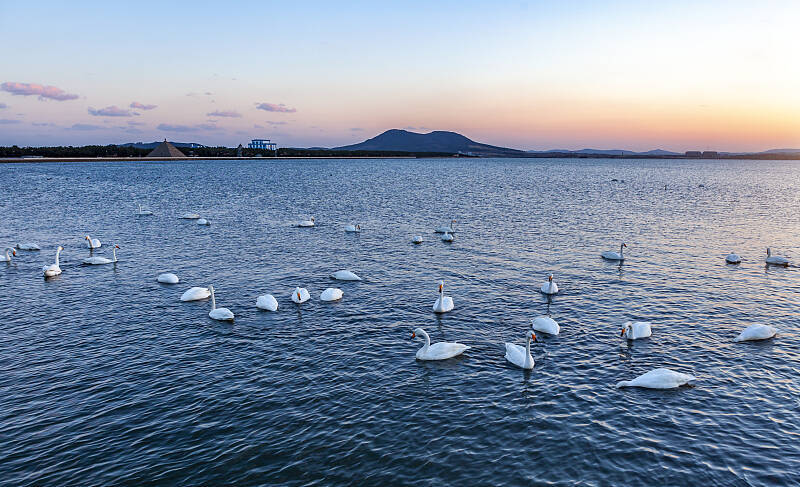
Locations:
(86, 238)
(441, 286)
(625, 328)
(624, 244)
(210, 288)
(550, 278)
(358, 227)
(60, 248)
(417, 331)
(116, 246)
(298, 294)
(769, 252)
(533, 336)
(312, 219)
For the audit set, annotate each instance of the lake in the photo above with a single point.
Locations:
(107, 378)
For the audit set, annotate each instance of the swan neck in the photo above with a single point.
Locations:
(58, 253)
(620, 249)
(528, 357)
(427, 339)
(213, 301)
(114, 251)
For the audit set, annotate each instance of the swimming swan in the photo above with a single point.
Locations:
(549, 287)
(635, 330)
(546, 324)
(447, 237)
(608, 255)
(28, 246)
(267, 302)
(307, 223)
(142, 212)
(220, 314)
(331, 294)
(300, 295)
(437, 351)
(170, 278)
(521, 356)
(449, 229)
(756, 331)
(658, 379)
(353, 228)
(417, 239)
(102, 260)
(195, 294)
(345, 276)
(189, 216)
(7, 257)
(203, 221)
(733, 258)
(443, 303)
(775, 260)
(93, 243)
(53, 270)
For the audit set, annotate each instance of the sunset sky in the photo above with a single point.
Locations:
(529, 75)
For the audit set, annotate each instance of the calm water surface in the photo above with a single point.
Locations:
(107, 378)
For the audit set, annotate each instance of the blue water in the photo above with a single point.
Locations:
(107, 378)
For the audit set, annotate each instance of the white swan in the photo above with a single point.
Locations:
(267, 302)
(189, 216)
(53, 270)
(733, 258)
(142, 212)
(307, 223)
(447, 237)
(549, 287)
(345, 276)
(658, 379)
(437, 351)
(417, 239)
(448, 229)
(756, 331)
(170, 278)
(195, 294)
(300, 295)
(102, 260)
(776, 260)
(7, 257)
(353, 228)
(636, 330)
(608, 255)
(28, 246)
(331, 294)
(92, 243)
(443, 303)
(220, 314)
(546, 324)
(203, 221)
(521, 356)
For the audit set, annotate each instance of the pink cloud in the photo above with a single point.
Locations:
(142, 106)
(224, 113)
(168, 127)
(271, 107)
(44, 92)
(112, 111)
(85, 126)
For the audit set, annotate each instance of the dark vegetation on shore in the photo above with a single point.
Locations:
(110, 151)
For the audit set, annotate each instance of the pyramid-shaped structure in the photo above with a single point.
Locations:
(165, 149)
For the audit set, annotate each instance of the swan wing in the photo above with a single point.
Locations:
(515, 354)
(444, 350)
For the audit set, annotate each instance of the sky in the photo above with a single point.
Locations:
(678, 75)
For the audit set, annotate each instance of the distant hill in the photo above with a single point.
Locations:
(780, 151)
(153, 145)
(437, 141)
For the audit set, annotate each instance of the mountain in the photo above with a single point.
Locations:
(780, 151)
(437, 141)
(153, 145)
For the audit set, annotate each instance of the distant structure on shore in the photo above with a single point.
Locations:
(165, 149)
(262, 144)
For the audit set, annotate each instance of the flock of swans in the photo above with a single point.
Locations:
(660, 378)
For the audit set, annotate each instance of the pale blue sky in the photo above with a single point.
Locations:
(531, 75)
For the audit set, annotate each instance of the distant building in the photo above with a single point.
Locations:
(710, 154)
(694, 153)
(165, 149)
(262, 144)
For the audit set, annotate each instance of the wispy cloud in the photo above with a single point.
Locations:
(131, 122)
(168, 127)
(85, 126)
(276, 123)
(141, 106)
(44, 92)
(8, 121)
(112, 111)
(3, 105)
(271, 107)
(356, 129)
(257, 126)
(43, 124)
(193, 93)
(225, 113)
